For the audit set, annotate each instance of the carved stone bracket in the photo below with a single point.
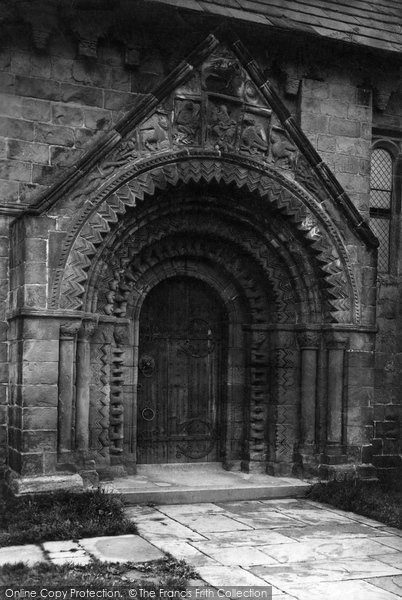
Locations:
(87, 329)
(69, 329)
(309, 340)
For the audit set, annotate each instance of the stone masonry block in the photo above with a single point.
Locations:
(35, 272)
(39, 418)
(318, 89)
(118, 100)
(72, 116)
(7, 82)
(10, 106)
(359, 113)
(45, 372)
(34, 109)
(315, 123)
(64, 157)
(35, 296)
(335, 108)
(17, 128)
(344, 127)
(34, 65)
(31, 463)
(54, 134)
(40, 329)
(39, 395)
(40, 350)
(28, 151)
(326, 143)
(35, 250)
(387, 429)
(9, 191)
(346, 93)
(19, 171)
(35, 87)
(39, 441)
(79, 94)
(358, 147)
(97, 119)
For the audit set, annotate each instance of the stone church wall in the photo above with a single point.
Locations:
(56, 103)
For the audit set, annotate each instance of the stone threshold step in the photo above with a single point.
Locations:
(212, 494)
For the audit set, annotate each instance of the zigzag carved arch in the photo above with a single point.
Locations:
(133, 182)
(128, 242)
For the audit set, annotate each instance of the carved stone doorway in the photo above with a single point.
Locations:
(181, 373)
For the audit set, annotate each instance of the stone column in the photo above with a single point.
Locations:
(336, 360)
(83, 381)
(68, 332)
(309, 343)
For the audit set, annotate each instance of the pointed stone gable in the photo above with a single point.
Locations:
(217, 100)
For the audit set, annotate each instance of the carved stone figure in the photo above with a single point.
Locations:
(253, 139)
(187, 122)
(223, 128)
(284, 152)
(155, 133)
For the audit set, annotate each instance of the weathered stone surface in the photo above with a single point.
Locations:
(123, 548)
(31, 485)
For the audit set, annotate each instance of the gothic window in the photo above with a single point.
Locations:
(381, 204)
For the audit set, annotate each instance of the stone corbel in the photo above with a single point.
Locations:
(43, 22)
(293, 79)
(383, 87)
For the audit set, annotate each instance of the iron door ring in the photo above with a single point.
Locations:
(148, 414)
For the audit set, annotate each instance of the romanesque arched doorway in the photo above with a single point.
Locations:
(230, 193)
(182, 368)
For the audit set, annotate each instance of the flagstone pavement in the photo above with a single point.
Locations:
(304, 550)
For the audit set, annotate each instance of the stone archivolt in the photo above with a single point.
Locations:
(215, 120)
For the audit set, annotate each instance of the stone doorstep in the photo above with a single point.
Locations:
(48, 483)
(181, 495)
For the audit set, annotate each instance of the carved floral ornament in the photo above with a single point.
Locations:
(210, 122)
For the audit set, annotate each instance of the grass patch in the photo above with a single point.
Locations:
(61, 516)
(166, 572)
(373, 500)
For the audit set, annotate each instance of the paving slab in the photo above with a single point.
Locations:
(330, 531)
(341, 590)
(394, 560)
(164, 527)
(123, 548)
(250, 537)
(28, 554)
(211, 522)
(66, 552)
(390, 584)
(184, 551)
(227, 576)
(391, 541)
(268, 519)
(320, 548)
(321, 571)
(241, 555)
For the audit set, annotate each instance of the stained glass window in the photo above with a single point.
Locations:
(381, 176)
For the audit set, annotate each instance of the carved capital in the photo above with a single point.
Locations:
(309, 339)
(121, 335)
(69, 329)
(87, 328)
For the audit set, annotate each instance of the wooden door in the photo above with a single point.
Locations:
(180, 373)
